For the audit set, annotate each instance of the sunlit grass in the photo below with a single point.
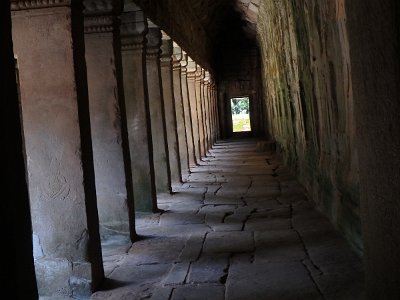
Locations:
(241, 123)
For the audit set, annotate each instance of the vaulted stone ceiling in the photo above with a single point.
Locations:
(206, 29)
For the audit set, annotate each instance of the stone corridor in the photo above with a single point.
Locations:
(240, 228)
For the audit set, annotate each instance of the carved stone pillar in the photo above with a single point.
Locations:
(133, 32)
(215, 99)
(191, 79)
(49, 43)
(169, 109)
(156, 106)
(200, 108)
(112, 161)
(16, 217)
(187, 111)
(208, 109)
(179, 111)
(206, 115)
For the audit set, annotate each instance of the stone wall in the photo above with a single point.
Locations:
(309, 102)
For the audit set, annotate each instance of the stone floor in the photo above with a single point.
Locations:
(241, 228)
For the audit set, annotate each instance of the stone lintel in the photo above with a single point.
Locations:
(35, 4)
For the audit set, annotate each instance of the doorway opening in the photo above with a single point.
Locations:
(240, 110)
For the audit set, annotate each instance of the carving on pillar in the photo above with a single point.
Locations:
(33, 4)
(166, 49)
(101, 15)
(184, 63)
(153, 41)
(177, 56)
(191, 68)
(207, 78)
(199, 73)
(133, 28)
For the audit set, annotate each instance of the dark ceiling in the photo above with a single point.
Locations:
(206, 29)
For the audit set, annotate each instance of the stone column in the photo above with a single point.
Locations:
(217, 112)
(156, 106)
(180, 112)
(191, 80)
(208, 108)
(169, 109)
(204, 110)
(112, 162)
(16, 217)
(187, 111)
(49, 43)
(200, 109)
(133, 31)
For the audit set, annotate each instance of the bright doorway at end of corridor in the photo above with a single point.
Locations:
(240, 109)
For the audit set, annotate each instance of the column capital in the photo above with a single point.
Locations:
(133, 28)
(153, 40)
(191, 68)
(101, 15)
(177, 56)
(199, 73)
(207, 78)
(34, 4)
(167, 49)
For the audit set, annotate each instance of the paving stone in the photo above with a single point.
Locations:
(272, 280)
(261, 191)
(177, 274)
(211, 209)
(169, 219)
(232, 241)
(157, 250)
(192, 248)
(209, 292)
(278, 246)
(285, 249)
(282, 212)
(259, 224)
(208, 269)
(161, 293)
